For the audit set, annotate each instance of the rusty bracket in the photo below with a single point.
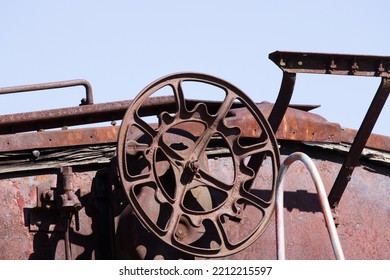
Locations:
(282, 101)
(56, 207)
(337, 64)
(69, 199)
(88, 100)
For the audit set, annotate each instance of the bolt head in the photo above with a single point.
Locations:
(36, 153)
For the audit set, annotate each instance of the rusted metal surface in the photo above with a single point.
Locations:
(296, 125)
(58, 138)
(300, 126)
(363, 216)
(375, 141)
(30, 229)
(362, 228)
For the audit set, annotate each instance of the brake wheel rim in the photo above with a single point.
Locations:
(165, 173)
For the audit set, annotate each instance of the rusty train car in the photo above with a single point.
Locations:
(174, 177)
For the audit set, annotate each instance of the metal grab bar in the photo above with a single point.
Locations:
(338, 251)
(88, 100)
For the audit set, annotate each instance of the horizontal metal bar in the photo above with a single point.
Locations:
(337, 64)
(330, 225)
(80, 115)
(59, 138)
(53, 85)
(57, 118)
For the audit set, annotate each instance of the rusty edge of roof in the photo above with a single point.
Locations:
(381, 157)
(297, 125)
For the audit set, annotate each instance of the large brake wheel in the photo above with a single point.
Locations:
(194, 201)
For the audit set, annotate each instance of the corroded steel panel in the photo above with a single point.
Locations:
(362, 218)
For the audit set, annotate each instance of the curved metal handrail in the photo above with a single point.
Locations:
(338, 251)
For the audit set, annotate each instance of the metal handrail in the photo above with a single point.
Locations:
(88, 100)
(280, 239)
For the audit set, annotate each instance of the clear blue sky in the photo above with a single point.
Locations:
(121, 46)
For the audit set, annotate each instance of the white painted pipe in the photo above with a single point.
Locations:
(280, 239)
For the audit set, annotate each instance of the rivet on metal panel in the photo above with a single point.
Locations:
(354, 67)
(381, 68)
(332, 65)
